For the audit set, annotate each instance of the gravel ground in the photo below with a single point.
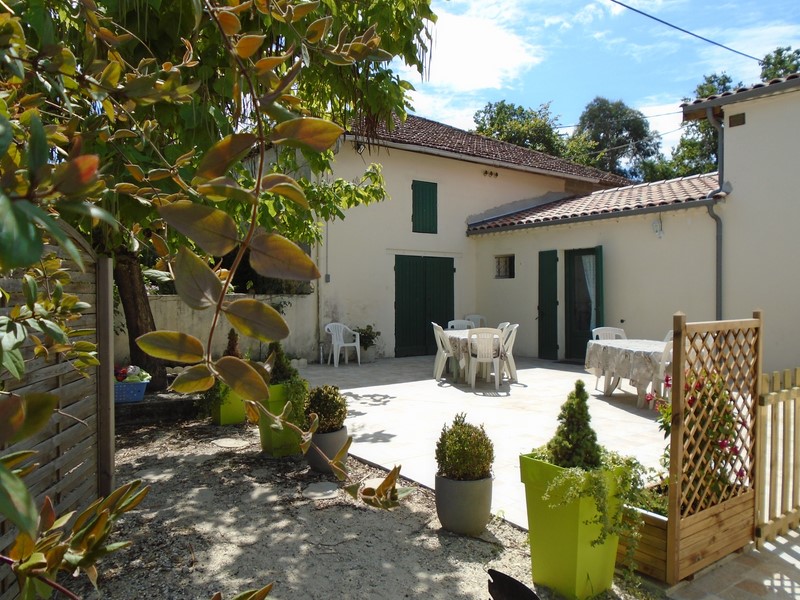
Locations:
(226, 519)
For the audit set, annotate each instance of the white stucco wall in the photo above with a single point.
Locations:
(358, 254)
(640, 270)
(761, 217)
(171, 314)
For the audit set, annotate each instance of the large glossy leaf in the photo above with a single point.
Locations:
(221, 156)
(6, 135)
(172, 345)
(256, 319)
(242, 378)
(307, 132)
(193, 379)
(20, 240)
(283, 185)
(318, 29)
(16, 503)
(225, 188)
(211, 229)
(272, 255)
(12, 416)
(38, 149)
(39, 407)
(196, 284)
(248, 45)
(229, 22)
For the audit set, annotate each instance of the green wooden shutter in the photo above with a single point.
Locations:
(599, 315)
(547, 309)
(424, 210)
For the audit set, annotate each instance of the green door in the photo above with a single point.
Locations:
(583, 271)
(547, 310)
(424, 290)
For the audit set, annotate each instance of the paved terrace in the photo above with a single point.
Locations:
(397, 411)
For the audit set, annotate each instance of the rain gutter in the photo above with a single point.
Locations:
(717, 195)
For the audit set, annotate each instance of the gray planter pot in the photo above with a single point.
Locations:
(329, 443)
(464, 507)
(368, 355)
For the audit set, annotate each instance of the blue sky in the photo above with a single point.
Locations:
(567, 52)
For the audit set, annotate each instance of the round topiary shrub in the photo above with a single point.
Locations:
(464, 452)
(330, 407)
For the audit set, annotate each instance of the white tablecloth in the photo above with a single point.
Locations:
(635, 360)
(459, 342)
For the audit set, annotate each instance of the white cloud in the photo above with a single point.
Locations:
(665, 118)
(477, 53)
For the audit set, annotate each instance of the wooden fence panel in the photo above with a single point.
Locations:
(67, 449)
(778, 502)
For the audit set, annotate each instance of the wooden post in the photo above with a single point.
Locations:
(757, 428)
(676, 447)
(105, 376)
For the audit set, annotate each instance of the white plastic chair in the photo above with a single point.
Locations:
(608, 333)
(509, 366)
(668, 337)
(477, 320)
(484, 350)
(338, 331)
(460, 324)
(662, 371)
(443, 351)
(502, 326)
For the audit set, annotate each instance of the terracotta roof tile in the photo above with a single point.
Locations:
(427, 134)
(695, 108)
(613, 202)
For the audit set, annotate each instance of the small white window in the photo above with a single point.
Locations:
(504, 267)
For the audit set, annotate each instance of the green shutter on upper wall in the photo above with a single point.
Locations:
(424, 217)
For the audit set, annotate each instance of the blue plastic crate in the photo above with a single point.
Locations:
(129, 391)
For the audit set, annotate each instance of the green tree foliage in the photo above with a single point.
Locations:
(780, 62)
(133, 120)
(574, 443)
(533, 129)
(622, 136)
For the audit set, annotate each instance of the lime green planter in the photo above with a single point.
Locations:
(562, 555)
(230, 410)
(277, 443)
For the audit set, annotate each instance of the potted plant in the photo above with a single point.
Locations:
(577, 494)
(367, 340)
(224, 405)
(330, 408)
(285, 385)
(464, 458)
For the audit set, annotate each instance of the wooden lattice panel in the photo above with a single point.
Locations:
(719, 396)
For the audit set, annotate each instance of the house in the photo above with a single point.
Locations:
(404, 262)
(713, 246)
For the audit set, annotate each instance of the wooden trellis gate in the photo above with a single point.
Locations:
(715, 393)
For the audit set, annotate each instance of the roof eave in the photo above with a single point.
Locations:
(419, 149)
(684, 205)
(696, 111)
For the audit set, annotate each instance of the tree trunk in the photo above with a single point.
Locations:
(138, 316)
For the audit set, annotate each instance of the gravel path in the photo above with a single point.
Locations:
(222, 517)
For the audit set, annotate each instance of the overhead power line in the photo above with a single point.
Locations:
(700, 37)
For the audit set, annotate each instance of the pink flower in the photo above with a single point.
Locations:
(649, 397)
(724, 444)
(741, 473)
(690, 401)
(735, 450)
(668, 381)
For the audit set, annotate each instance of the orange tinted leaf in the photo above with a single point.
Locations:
(136, 171)
(157, 174)
(229, 22)
(196, 284)
(270, 62)
(248, 45)
(74, 175)
(12, 416)
(303, 9)
(272, 255)
(257, 320)
(225, 188)
(160, 245)
(223, 154)
(192, 380)
(283, 185)
(212, 229)
(172, 345)
(309, 132)
(242, 378)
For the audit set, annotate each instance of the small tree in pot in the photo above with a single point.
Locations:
(327, 409)
(576, 494)
(464, 457)
(367, 339)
